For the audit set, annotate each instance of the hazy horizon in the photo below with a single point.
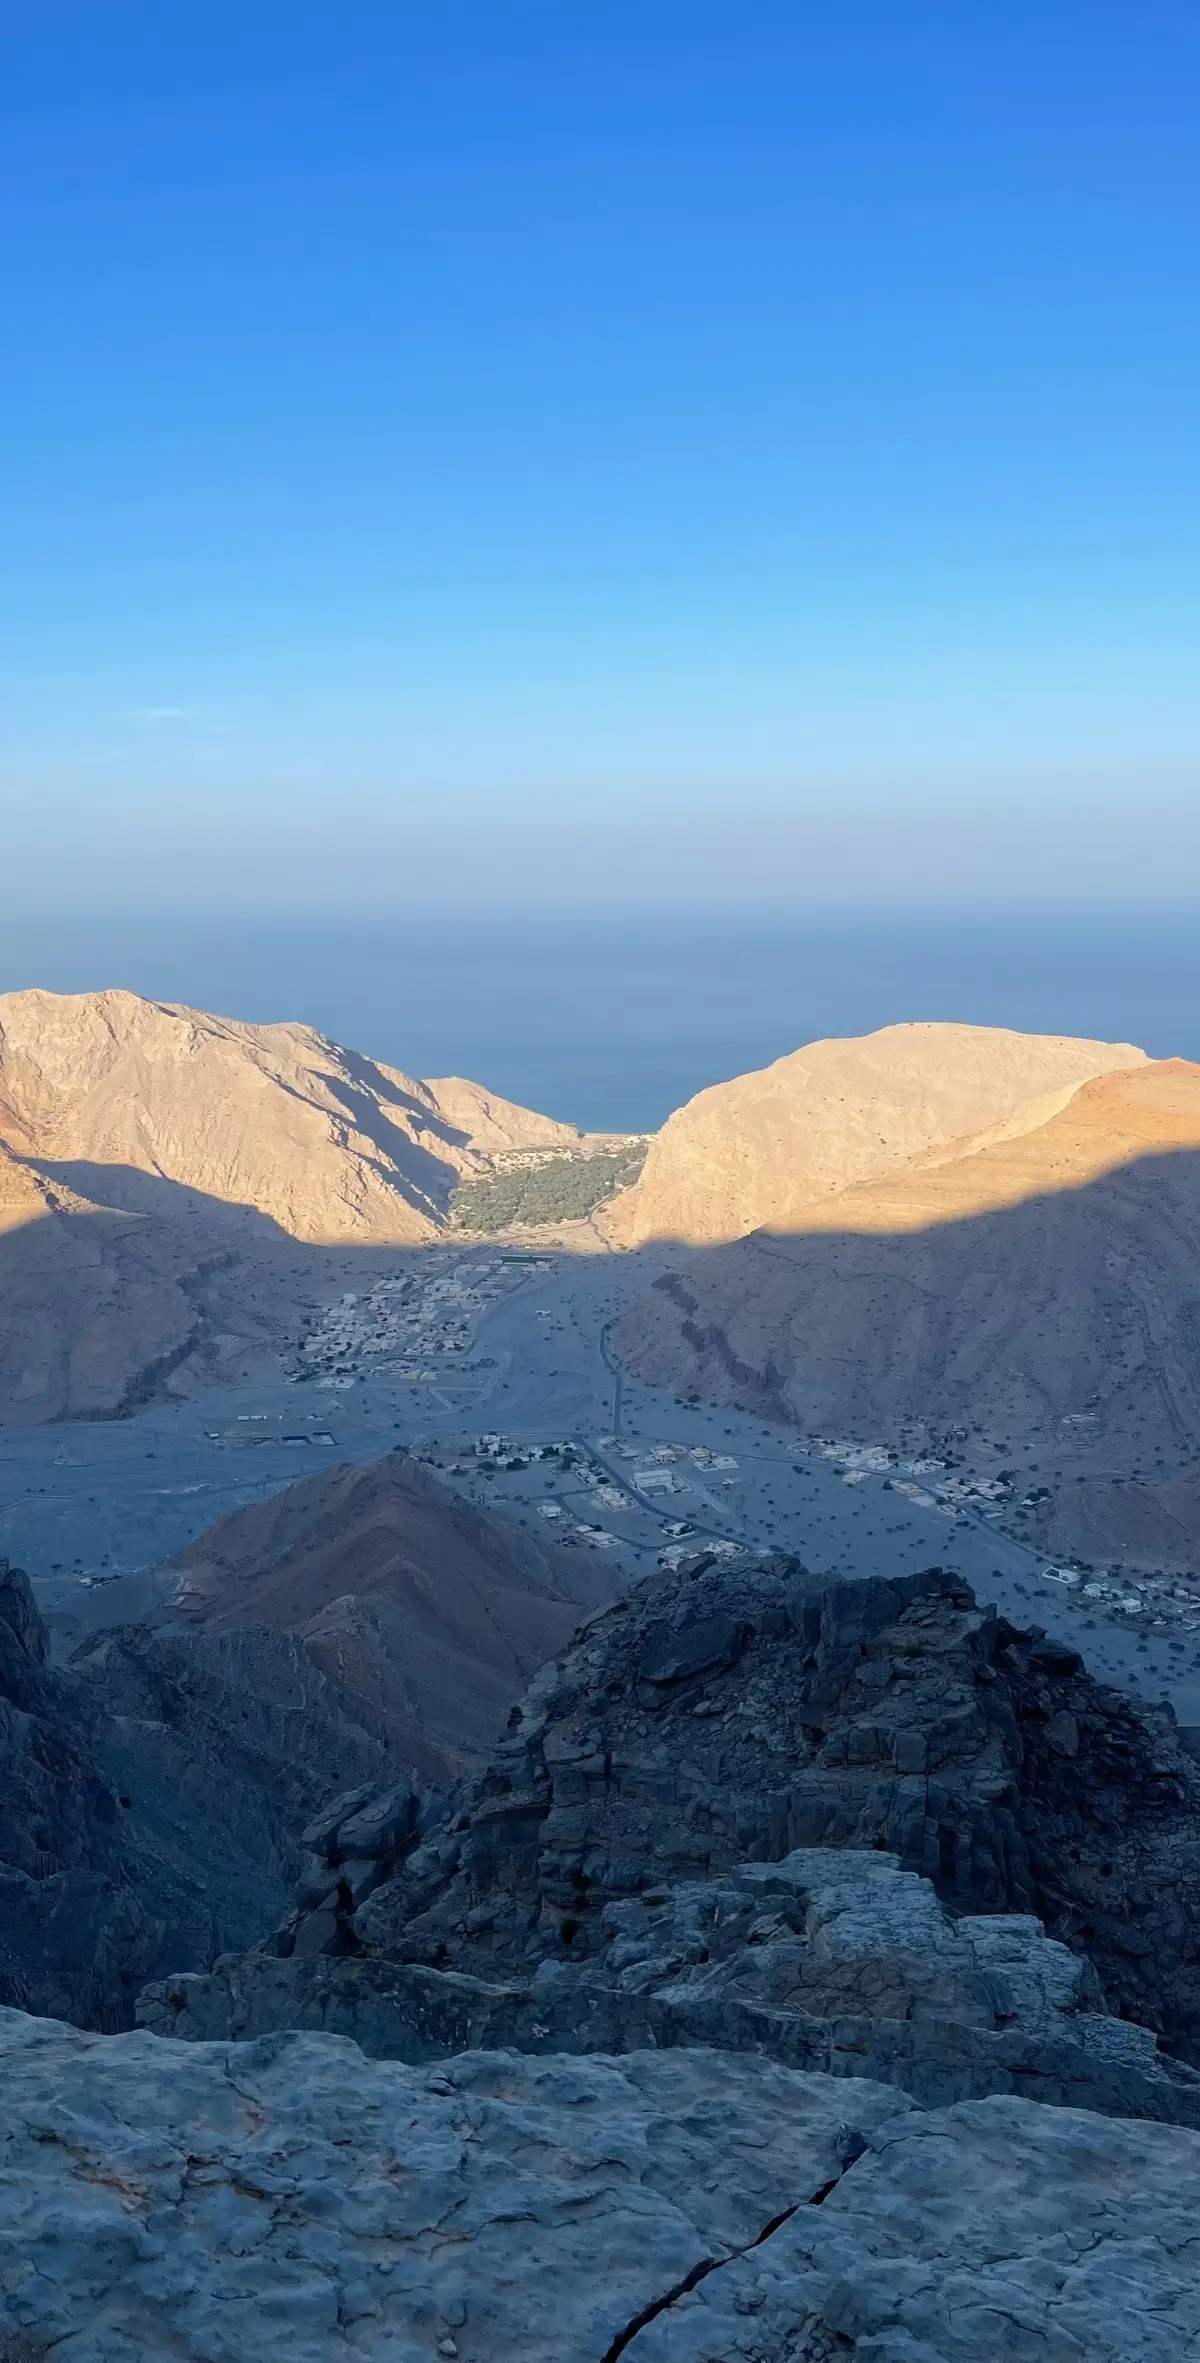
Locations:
(613, 1021)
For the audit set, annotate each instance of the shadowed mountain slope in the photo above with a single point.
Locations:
(91, 1301)
(762, 1149)
(1044, 1277)
(149, 1795)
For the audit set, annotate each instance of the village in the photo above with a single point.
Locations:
(492, 1364)
(658, 1501)
(649, 1505)
(1162, 1601)
(409, 1322)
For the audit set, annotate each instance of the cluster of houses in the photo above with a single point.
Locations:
(427, 1310)
(1161, 1601)
(921, 1479)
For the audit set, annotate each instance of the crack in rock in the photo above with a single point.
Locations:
(717, 2264)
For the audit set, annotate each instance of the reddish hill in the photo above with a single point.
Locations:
(431, 1616)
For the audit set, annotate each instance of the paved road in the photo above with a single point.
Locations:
(618, 1379)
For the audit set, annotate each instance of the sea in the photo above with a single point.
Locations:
(610, 1020)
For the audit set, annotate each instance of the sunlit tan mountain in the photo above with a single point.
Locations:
(761, 1149)
(155, 1109)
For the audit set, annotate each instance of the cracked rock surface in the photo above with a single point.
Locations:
(943, 2009)
(290, 2199)
(993, 2230)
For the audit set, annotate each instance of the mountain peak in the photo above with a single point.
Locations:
(757, 1150)
(138, 1103)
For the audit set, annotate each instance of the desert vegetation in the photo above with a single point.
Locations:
(558, 1189)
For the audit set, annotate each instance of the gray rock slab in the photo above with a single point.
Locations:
(290, 2199)
(994, 2232)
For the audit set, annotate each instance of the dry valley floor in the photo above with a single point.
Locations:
(444, 1345)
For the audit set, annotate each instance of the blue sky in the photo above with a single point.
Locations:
(464, 453)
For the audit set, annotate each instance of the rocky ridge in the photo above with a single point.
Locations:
(426, 1613)
(149, 1801)
(864, 1828)
(361, 1625)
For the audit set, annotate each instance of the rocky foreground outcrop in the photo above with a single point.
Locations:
(290, 2199)
(714, 2020)
(831, 1824)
